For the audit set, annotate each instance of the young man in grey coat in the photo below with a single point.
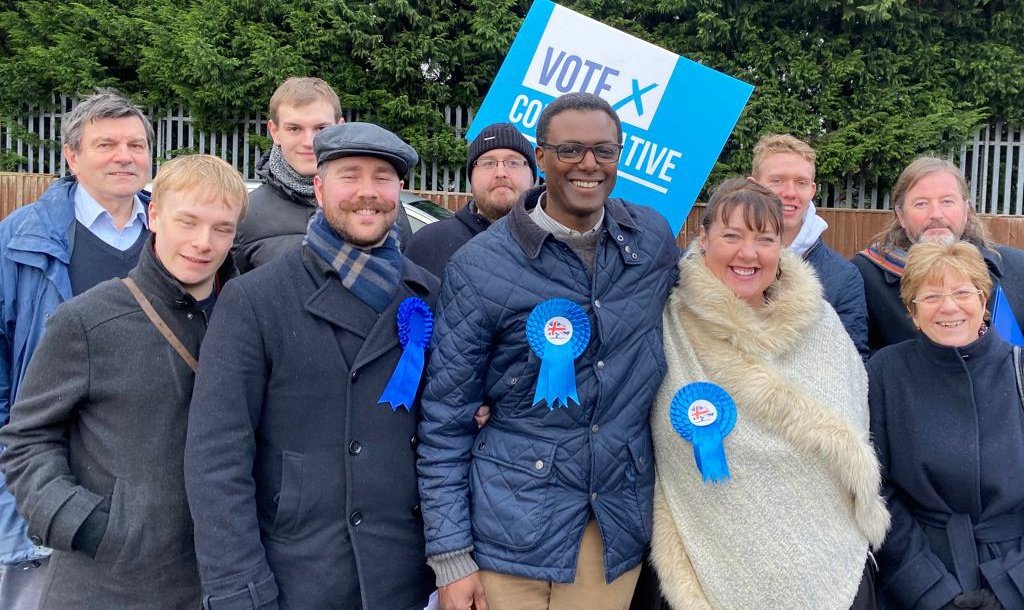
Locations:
(97, 433)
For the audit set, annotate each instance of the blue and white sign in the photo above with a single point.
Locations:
(676, 114)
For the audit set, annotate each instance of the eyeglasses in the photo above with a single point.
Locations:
(493, 163)
(934, 298)
(573, 152)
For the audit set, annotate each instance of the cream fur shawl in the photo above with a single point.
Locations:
(792, 527)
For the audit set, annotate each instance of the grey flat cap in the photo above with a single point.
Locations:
(364, 140)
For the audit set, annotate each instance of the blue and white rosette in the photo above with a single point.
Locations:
(415, 326)
(558, 331)
(704, 414)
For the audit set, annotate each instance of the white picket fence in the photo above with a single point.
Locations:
(993, 161)
(35, 137)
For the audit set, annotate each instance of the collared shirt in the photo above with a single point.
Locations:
(98, 220)
(549, 224)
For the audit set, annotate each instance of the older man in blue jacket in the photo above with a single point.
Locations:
(550, 503)
(85, 229)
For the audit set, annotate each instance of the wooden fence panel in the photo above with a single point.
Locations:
(17, 189)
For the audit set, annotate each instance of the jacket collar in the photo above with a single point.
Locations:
(474, 221)
(46, 227)
(988, 345)
(157, 282)
(617, 221)
(333, 303)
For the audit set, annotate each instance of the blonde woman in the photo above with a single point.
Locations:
(947, 421)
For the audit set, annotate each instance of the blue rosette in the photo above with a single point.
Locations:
(415, 326)
(704, 414)
(558, 331)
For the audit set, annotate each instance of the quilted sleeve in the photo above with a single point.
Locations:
(462, 339)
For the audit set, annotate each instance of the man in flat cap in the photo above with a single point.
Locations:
(300, 459)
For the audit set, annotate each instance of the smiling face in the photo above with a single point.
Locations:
(359, 197)
(955, 320)
(294, 129)
(112, 161)
(576, 192)
(194, 232)
(743, 258)
(934, 209)
(791, 177)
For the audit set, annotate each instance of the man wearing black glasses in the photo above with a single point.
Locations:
(552, 317)
(501, 168)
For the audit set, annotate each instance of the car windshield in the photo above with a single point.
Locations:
(432, 208)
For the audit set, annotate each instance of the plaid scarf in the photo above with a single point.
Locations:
(372, 275)
(890, 259)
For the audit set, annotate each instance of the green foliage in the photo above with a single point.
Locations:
(871, 83)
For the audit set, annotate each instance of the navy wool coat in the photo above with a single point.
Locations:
(949, 431)
(302, 486)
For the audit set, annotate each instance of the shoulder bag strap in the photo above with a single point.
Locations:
(165, 330)
(1018, 369)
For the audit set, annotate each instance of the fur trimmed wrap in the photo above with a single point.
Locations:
(792, 527)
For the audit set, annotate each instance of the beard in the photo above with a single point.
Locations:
(943, 238)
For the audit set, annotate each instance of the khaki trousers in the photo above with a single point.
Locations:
(588, 592)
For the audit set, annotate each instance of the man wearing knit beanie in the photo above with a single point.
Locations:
(501, 167)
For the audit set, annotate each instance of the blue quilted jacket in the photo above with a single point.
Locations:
(521, 490)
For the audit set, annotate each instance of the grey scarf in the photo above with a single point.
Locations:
(286, 175)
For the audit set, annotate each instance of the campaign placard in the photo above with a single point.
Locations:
(676, 114)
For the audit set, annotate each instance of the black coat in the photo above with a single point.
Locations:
(432, 246)
(888, 321)
(948, 427)
(303, 486)
(100, 422)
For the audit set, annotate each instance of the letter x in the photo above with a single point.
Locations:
(635, 97)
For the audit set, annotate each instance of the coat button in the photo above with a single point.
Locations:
(593, 496)
(355, 447)
(595, 428)
(354, 375)
(539, 464)
(597, 303)
(634, 256)
(619, 238)
(481, 445)
(415, 510)
(628, 250)
(189, 316)
(600, 365)
(355, 518)
(414, 440)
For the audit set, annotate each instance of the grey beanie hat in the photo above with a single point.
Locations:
(501, 135)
